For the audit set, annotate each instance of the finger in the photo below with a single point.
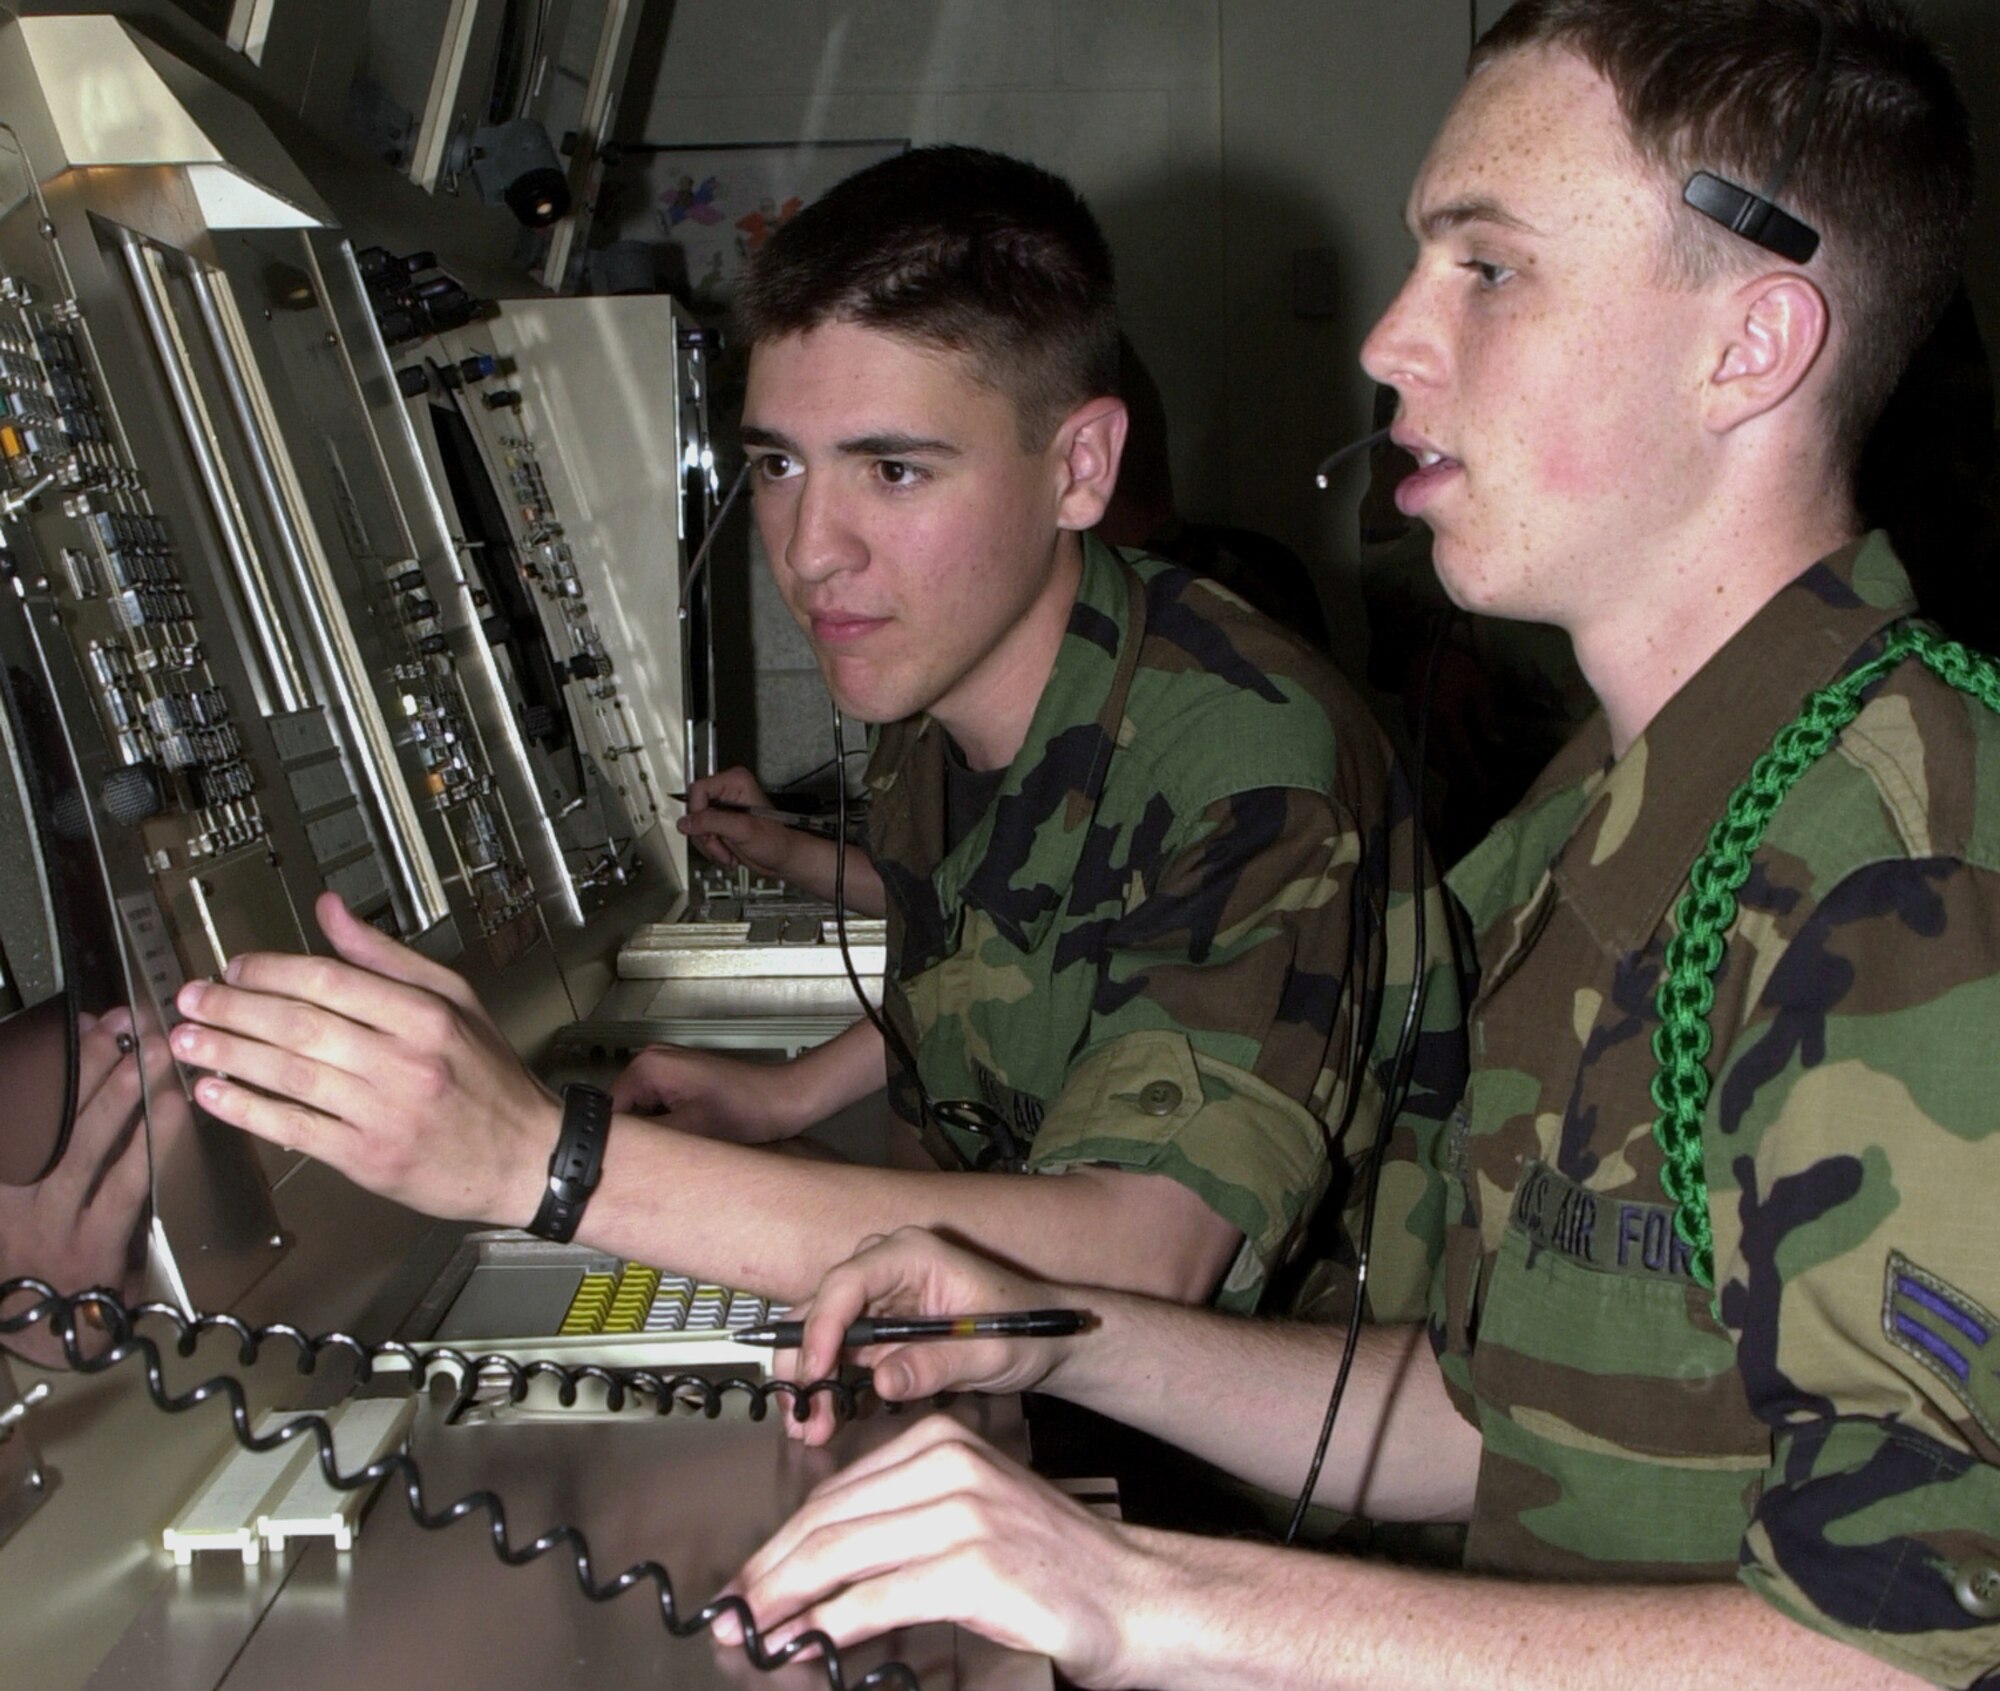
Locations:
(848, 1291)
(106, 1126)
(912, 1272)
(916, 1272)
(824, 1582)
(907, 1373)
(811, 1421)
(367, 947)
(917, 1591)
(98, 1049)
(871, 1282)
(278, 1121)
(935, 1456)
(826, 1554)
(735, 785)
(293, 1000)
(283, 1045)
(783, 1619)
(710, 844)
(101, 1117)
(979, 1548)
(786, 1364)
(111, 1084)
(112, 1207)
(124, 1181)
(156, 1058)
(716, 852)
(818, 1422)
(818, 1426)
(728, 829)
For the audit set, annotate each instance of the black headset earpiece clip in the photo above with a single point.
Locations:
(1759, 217)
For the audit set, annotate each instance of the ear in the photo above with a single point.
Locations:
(1775, 332)
(1084, 455)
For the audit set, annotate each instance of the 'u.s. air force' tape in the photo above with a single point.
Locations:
(1957, 1340)
(1597, 1230)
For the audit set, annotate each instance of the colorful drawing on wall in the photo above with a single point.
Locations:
(711, 207)
(685, 200)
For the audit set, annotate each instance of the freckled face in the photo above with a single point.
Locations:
(1548, 378)
(908, 532)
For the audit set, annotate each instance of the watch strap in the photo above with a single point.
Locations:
(577, 1163)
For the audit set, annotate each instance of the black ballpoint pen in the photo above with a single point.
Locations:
(805, 821)
(763, 812)
(1015, 1324)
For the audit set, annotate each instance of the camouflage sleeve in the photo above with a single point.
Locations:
(1854, 1163)
(1236, 999)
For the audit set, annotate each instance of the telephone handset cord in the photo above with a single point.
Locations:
(105, 1311)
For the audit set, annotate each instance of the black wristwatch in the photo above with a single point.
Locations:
(577, 1165)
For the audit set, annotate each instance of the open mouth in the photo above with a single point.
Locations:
(1435, 469)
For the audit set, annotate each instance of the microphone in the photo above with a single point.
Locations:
(1323, 476)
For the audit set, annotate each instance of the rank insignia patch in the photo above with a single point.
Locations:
(1933, 1321)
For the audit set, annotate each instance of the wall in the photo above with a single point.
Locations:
(1328, 111)
(1969, 32)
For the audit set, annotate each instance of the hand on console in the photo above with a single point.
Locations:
(938, 1526)
(379, 1062)
(915, 1273)
(717, 1096)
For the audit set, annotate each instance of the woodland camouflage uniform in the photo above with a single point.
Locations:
(1834, 1439)
(1179, 940)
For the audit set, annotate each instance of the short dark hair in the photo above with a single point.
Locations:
(960, 248)
(1885, 175)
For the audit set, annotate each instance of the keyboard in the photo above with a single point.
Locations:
(564, 1305)
(646, 1302)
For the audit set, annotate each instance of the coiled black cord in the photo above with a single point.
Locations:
(120, 1327)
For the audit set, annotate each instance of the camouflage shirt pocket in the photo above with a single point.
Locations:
(1619, 1444)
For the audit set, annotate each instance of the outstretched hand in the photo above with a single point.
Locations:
(379, 1062)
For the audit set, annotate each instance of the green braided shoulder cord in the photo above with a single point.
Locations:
(1682, 1042)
